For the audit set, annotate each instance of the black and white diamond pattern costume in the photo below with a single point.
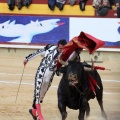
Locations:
(45, 71)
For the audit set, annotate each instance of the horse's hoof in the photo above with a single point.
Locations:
(104, 115)
(64, 115)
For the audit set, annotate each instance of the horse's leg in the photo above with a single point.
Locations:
(81, 114)
(102, 109)
(83, 107)
(61, 105)
(62, 109)
(100, 101)
(88, 110)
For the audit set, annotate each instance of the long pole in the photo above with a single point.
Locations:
(19, 84)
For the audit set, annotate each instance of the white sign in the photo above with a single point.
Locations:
(106, 29)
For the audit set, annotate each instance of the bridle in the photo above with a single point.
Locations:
(80, 92)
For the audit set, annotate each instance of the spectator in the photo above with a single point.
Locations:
(117, 4)
(117, 8)
(103, 9)
(96, 3)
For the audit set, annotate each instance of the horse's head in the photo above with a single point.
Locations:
(72, 72)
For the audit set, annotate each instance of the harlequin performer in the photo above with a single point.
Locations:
(44, 75)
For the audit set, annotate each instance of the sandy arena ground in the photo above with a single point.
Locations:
(11, 68)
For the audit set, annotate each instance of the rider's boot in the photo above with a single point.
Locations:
(38, 106)
(33, 113)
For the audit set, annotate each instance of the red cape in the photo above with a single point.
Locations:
(85, 41)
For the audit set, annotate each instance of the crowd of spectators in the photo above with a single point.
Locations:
(117, 8)
(103, 6)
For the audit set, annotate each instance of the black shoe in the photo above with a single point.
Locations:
(34, 117)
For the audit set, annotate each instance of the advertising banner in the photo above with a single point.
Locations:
(44, 30)
(106, 29)
(33, 29)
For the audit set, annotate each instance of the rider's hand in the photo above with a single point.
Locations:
(58, 73)
(25, 62)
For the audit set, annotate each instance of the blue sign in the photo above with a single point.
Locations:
(33, 29)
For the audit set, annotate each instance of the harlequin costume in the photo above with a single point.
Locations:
(44, 76)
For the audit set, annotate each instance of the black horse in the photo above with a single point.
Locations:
(74, 90)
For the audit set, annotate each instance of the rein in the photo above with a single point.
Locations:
(77, 89)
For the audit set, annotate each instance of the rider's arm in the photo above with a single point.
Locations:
(72, 56)
(36, 53)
